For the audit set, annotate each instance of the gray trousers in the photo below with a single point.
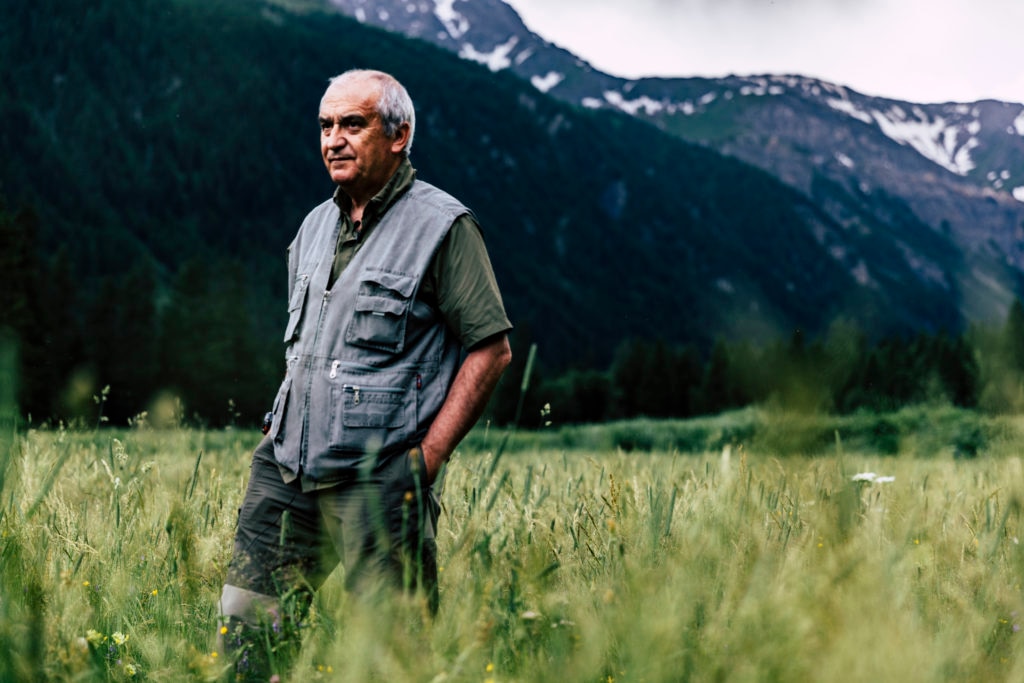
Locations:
(380, 525)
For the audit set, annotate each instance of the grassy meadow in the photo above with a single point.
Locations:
(747, 547)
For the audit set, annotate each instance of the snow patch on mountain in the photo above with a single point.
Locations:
(495, 60)
(934, 139)
(1018, 124)
(759, 87)
(547, 82)
(648, 105)
(752, 86)
(523, 56)
(947, 144)
(652, 107)
(454, 23)
(998, 180)
(850, 109)
(1018, 194)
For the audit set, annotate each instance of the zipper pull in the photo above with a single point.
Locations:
(334, 369)
(419, 381)
(355, 395)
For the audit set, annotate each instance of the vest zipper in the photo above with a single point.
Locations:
(303, 448)
(356, 390)
(360, 367)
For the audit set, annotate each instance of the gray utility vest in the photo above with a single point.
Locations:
(369, 364)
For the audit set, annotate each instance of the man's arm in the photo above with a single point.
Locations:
(466, 400)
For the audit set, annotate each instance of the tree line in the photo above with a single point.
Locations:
(193, 345)
(111, 351)
(843, 372)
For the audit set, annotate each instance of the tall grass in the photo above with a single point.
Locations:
(594, 565)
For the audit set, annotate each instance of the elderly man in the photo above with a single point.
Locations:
(389, 282)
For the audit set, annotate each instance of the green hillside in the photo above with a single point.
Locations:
(156, 157)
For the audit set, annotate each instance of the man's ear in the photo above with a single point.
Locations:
(401, 139)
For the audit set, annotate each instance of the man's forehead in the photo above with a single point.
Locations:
(356, 96)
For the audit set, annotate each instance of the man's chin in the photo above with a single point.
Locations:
(341, 178)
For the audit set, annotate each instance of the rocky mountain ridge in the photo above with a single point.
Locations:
(956, 168)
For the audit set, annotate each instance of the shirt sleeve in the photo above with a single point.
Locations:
(466, 289)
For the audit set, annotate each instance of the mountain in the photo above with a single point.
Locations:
(157, 157)
(952, 169)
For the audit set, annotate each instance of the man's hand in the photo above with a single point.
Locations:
(466, 401)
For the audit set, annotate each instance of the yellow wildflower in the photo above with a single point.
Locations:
(118, 638)
(94, 637)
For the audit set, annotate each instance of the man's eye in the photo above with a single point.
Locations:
(350, 127)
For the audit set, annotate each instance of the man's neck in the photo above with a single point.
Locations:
(356, 200)
(356, 212)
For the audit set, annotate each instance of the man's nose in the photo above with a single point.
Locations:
(335, 137)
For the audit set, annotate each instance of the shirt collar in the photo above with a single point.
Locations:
(397, 185)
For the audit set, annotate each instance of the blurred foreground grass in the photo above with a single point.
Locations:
(756, 555)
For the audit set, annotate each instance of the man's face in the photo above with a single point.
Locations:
(358, 155)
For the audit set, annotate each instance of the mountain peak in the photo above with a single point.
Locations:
(491, 33)
(957, 168)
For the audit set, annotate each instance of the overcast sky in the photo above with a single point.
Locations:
(916, 50)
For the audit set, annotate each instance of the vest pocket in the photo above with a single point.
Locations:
(366, 419)
(280, 404)
(295, 306)
(380, 311)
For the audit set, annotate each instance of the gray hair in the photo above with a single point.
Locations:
(393, 105)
